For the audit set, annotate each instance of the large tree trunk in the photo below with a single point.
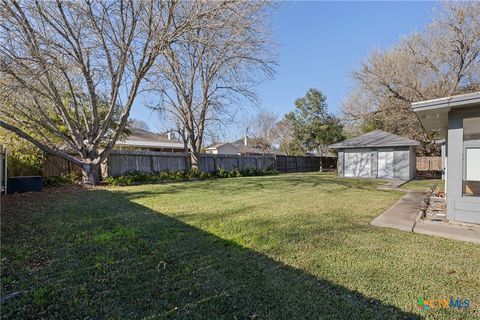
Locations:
(194, 160)
(91, 174)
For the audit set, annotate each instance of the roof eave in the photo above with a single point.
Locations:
(447, 103)
(374, 146)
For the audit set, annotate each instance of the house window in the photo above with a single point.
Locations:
(471, 156)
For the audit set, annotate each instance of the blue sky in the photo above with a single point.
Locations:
(321, 43)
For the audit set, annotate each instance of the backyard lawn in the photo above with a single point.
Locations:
(276, 247)
(424, 184)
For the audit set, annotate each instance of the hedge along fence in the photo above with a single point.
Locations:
(122, 162)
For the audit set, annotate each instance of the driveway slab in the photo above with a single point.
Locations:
(402, 215)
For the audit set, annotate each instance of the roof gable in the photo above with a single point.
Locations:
(377, 138)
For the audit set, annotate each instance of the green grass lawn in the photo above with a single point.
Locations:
(277, 247)
(424, 184)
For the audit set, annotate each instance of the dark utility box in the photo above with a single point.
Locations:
(24, 184)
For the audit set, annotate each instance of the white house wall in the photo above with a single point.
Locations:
(358, 163)
(401, 163)
(340, 162)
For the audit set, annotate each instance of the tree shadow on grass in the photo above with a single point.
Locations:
(118, 259)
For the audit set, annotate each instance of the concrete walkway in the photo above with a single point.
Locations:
(405, 215)
(402, 215)
(449, 230)
(392, 184)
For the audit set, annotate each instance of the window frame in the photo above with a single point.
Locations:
(468, 144)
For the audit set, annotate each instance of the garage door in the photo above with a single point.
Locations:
(385, 164)
(357, 164)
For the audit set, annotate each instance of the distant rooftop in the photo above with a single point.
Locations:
(217, 145)
(144, 138)
(375, 138)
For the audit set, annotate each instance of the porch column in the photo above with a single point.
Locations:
(454, 162)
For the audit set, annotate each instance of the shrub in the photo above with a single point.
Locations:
(24, 159)
(69, 178)
(247, 172)
(221, 173)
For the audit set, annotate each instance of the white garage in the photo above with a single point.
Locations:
(377, 154)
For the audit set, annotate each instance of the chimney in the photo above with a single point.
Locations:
(245, 140)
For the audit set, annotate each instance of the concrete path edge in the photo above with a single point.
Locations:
(405, 215)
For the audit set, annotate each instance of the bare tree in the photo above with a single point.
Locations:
(138, 124)
(210, 70)
(71, 70)
(260, 128)
(441, 61)
(284, 136)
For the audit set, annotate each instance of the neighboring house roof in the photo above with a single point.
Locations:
(375, 138)
(252, 147)
(219, 145)
(241, 142)
(144, 138)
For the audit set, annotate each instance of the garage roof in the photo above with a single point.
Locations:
(377, 138)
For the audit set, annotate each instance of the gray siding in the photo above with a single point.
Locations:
(459, 208)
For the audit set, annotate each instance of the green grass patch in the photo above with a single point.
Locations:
(425, 184)
(272, 247)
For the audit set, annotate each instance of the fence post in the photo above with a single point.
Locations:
(5, 172)
(1, 174)
(151, 163)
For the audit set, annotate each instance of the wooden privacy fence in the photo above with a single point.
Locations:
(54, 167)
(429, 164)
(288, 164)
(121, 162)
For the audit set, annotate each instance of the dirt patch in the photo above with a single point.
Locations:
(20, 208)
